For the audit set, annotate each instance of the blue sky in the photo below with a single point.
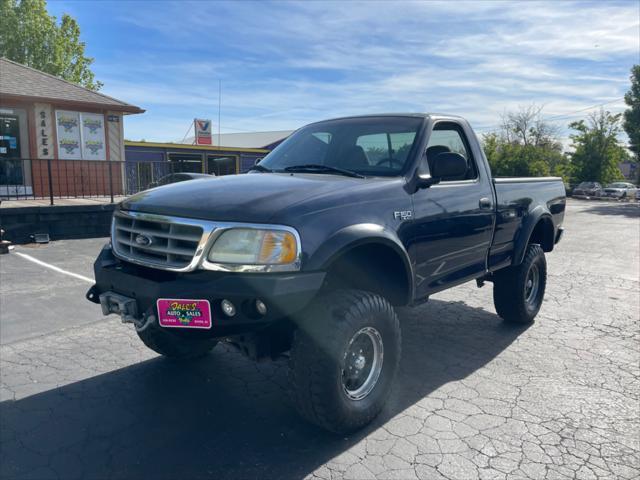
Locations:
(284, 64)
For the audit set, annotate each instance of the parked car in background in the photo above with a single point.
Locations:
(568, 188)
(588, 190)
(620, 190)
(178, 177)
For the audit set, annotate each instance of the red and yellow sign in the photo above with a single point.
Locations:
(203, 131)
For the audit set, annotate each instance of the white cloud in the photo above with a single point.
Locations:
(284, 64)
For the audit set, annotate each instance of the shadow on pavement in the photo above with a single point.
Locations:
(631, 210)
(224, 417)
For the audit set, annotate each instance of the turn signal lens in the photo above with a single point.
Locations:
(277, 247)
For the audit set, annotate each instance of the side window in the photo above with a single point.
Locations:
(449, 137)
(375, 147)
(401, 144)
(324, 136)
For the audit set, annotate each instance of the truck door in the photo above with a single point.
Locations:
(454, 219)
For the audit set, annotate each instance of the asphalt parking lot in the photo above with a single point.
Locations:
(81, 397)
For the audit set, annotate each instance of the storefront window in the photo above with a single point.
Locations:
(221, 165)
(185, 163)
(15, 176)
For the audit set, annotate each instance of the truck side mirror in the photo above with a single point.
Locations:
(444, 165)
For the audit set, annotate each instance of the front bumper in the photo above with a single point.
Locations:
(615, 194)
(283, 294)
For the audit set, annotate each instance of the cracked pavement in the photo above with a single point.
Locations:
(475, 398)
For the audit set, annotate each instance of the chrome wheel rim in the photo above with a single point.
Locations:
(532, 285)
(362, 363)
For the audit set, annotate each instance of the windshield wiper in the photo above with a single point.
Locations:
(260, 168)
(316, 167)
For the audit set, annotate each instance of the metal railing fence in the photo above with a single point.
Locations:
(37, 179)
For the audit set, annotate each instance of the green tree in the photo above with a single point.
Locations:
(631, 122)
(30, 36)
(525, 146)
(597, 151)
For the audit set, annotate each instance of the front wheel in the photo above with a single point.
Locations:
(344, 358)
(518, 291)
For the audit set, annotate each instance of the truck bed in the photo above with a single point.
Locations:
(517, 204)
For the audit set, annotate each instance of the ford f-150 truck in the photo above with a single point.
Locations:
(308, 254)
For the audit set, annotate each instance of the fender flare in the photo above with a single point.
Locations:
(353, 236)
(524, 234)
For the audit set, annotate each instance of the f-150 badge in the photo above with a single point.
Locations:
(403, 215)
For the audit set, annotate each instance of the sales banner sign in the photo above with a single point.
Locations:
(81, 136)
(93, 147)
(203, 131)
(69, 140)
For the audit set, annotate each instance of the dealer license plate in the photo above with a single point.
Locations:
(184, 313)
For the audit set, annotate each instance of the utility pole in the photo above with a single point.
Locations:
(219, 106)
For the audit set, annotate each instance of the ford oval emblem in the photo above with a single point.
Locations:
(143, 240)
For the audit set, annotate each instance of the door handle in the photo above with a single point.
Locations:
(485, 203)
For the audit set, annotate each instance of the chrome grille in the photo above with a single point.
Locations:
(155, 241)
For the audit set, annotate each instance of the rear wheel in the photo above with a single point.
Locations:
(344, 358)
(172, 345)
(518, 291)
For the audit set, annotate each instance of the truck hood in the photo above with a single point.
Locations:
(242, 198)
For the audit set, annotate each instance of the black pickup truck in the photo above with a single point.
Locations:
(310, 252)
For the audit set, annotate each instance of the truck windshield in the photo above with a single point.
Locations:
(375, 146)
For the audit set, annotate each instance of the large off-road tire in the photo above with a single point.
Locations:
(518, 291)
(344, 359)
(174, 346)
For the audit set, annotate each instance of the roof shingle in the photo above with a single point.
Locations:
(18, 80)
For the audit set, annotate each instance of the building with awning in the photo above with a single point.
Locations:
(58, 137)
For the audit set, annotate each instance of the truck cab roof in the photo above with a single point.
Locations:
(398, 114)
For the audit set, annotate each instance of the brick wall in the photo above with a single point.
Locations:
(76, 178)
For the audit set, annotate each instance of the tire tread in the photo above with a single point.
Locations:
(309, 364)
(508, 296)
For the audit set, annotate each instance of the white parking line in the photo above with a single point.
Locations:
(53, 267)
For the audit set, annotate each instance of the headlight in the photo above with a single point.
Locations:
(255, 247)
